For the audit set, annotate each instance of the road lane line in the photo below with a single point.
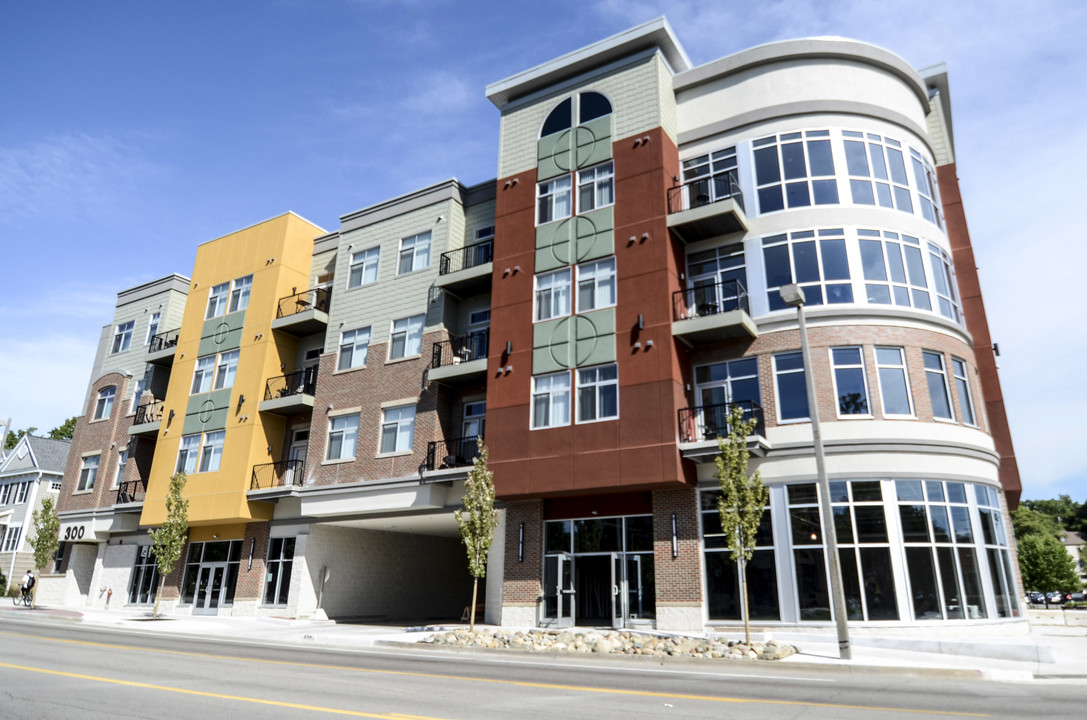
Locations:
(219, 696)
(496, 681)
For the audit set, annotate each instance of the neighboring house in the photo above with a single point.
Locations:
(1076, 545)
(29, 473)
(592, 314)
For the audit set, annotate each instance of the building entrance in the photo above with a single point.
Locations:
(210, 589)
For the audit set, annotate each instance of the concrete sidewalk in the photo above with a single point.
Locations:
(1047, 653)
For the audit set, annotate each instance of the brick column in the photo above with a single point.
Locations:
(678, 578)
(522, 587)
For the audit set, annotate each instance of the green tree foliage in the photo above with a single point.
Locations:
(1046, 566)
(1029, 522)
(477, 523)
(1070, 514)
(65, 430)
(46, 537)
(169, 540)
(743, 497)
(14, 436)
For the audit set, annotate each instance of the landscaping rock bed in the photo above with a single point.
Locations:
(618, 642)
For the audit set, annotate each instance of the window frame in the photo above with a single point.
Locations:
(218, 297)
(829, 247)
(88, 472)
(835, 366)
(348, 431)
(607, 279)
(904, 371)
(551, 293)
(401, 420)
(416, 250)
(967, 409)
(188, 454)
(599, 387)
(596, 179)
(899, 193)
(240, 290)
(940, 375)
(153, 326)
(354, 348)
(415, 339)
(361, 264)
(226, 370)
(549, 194)
(122, 459)
(211, 451)
(781, 420)
(551, 394)
(811, 183)
(122, 337)
(103, 405)
(203, 375)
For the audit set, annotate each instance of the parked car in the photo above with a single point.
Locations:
(1077, 597)
(1036, 598)
(1055, 598)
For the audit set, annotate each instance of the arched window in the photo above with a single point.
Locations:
(590, 106)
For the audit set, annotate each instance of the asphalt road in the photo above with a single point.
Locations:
(60, 670)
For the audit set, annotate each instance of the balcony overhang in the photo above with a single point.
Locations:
(301, 324)
(164, 357)
(465, 283)
(457, 373)
(96, 525)
(292, 404)
(723, 217)
(704, 451)
(147, 429)
(716, 326)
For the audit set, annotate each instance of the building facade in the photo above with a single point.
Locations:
(29, 473)
(592, 315)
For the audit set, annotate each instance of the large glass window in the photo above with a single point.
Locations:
(996, 551)
(850, 382)
(414, 253)
(363, 269)
(962, 389)
(791, 387)
(103, 406)
(938, 391)
(709, 178)
(596, 285)
(187, 453)
(122, 337)
(144, 583)
(598, 393)
(719, 386)
(723, 573)
(88, 473)
(877, 171)
(596, 187)
(795, 170)
(553, 294)
(211, 455)
(407, 337)
(553, 200)
(343, 434)
(239, 295)
(152, 327)
(864, 550)
(947, 290)
(226, 370)
(551, 400)
(397, 429)
(203, 374)
(217, 299)
(894, 387)
(590, 106)
(717, 278)
(815, 261)
(894, 269)
(927, 192)
(809, 559)
(353, 347)
(277, 577)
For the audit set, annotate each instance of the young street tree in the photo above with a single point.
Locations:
(743, 498)
(46, 538)
(477, 523)
(1046, 566)
(169, 540)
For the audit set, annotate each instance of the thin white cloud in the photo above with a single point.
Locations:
(45, 379)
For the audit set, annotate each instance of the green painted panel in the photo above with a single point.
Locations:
(593, 141)
(207, 412)
(551, 343)
(553, 245)
(554, 155)
(221, 333)
(595, 342)
(594, 235)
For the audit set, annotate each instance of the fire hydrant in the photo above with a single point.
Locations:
(109, 594)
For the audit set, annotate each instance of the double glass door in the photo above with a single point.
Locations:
(598, 590)
(210, 588)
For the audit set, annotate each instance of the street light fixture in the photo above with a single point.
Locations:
(793, 296)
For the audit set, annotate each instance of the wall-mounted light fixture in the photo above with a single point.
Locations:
(641, 321)
(252, 546)
(509, 347)
(675, 538)
(521, 543)
(170, 419)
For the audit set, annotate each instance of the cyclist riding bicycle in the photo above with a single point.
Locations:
(28, 584)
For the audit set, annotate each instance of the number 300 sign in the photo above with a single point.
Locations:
(74, 532)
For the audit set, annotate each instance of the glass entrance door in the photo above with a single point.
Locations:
(209, 589)
(296, 458)
(618, 591)
(558, 592)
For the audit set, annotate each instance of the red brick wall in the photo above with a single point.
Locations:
(679, 578)
(522, 581)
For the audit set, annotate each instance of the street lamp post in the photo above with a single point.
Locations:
(793, 295)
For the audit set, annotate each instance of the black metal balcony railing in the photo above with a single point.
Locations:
(149, 413)
(466, 257)
(287, 473)
(705, 191)
(444, 454)
(720, 297)
(461, 348)
(300, 382)
(312, 299)
(709, 422)
(131, 491)
(163, 341)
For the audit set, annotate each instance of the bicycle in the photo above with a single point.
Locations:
(22, 598)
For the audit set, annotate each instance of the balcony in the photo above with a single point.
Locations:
(712, 312)
(303, 313)
(467, 271)
(148, 419)
(285, 474)
(459, 453)
(701, 426)
(290, 394)
(707, 207)
(461, 358)
(130, 492)
(162, 347)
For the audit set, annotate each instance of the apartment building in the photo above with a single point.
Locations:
(29, 473)
(591, 314)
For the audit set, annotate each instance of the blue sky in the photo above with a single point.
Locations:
(132, 131)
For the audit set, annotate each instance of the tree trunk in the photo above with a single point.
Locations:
(743, 594)
(472, 610)
(158, 596)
